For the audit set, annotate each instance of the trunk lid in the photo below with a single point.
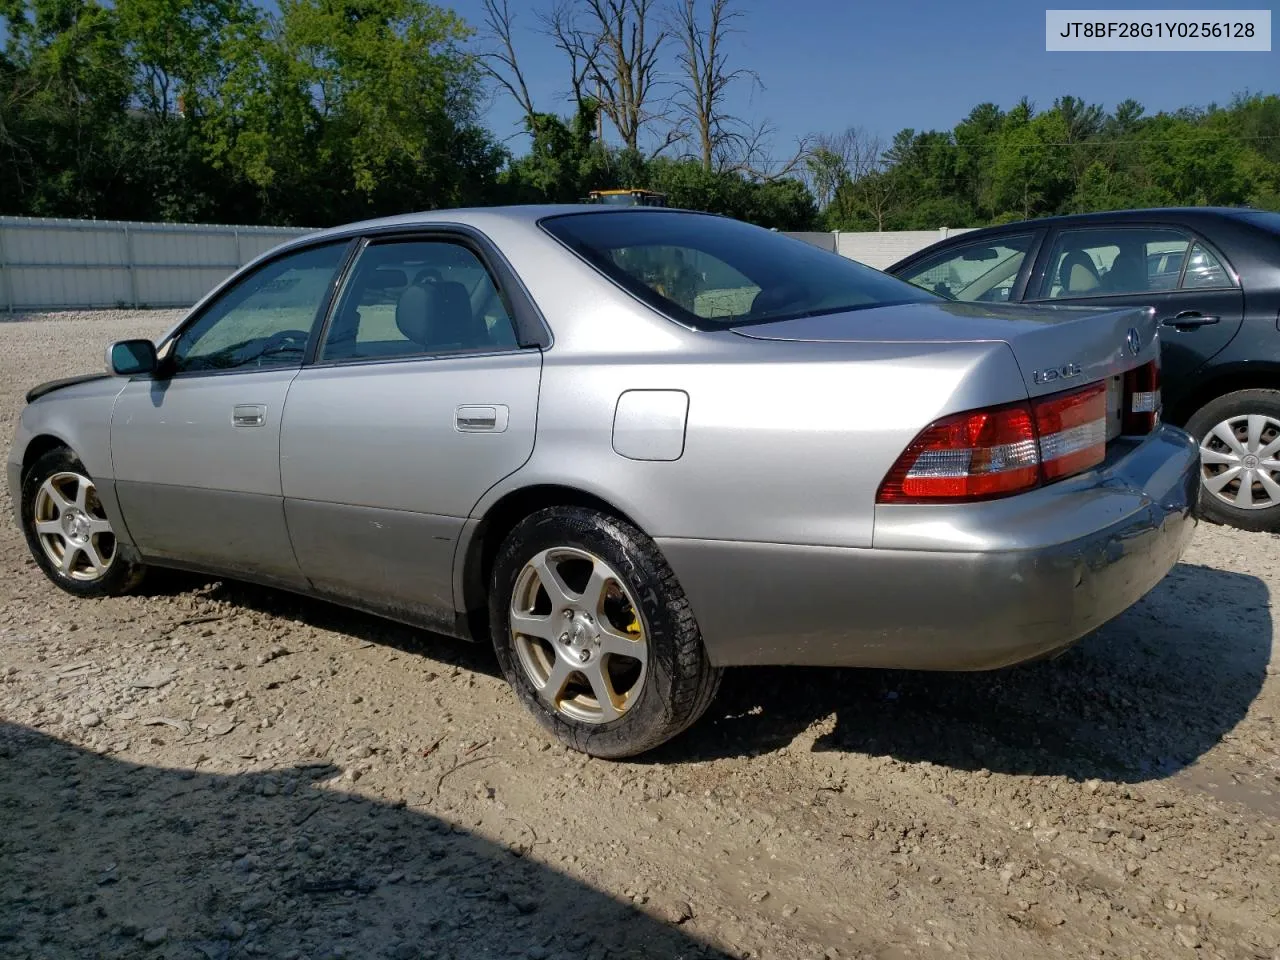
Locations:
(1056, 347)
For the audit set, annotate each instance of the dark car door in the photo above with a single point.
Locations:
(1199, 304)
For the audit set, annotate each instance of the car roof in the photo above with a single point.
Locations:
(1115, 216)
(477, 217)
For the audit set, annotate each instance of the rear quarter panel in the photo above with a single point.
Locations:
(784, 442)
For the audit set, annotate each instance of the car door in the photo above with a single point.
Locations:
(418, 401)
(1199, 303)
(986, 270)
(196, 448)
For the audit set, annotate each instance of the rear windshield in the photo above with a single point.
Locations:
(712, 272)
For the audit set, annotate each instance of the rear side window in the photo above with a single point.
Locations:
(413, 297)
(1111, 261)
(983, 272)
(1204, 270)
(712, 272)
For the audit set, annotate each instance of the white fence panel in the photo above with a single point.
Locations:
(884, 249)
(48, 264)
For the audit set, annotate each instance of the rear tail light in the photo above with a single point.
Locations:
(1141, 410)
(1073, 431)
(1004, 450)
(969, 456)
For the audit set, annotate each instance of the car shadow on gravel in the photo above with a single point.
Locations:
(1142, 697)
(114, 860)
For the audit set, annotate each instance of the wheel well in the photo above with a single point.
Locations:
(37, 448)
(1229, 381)
(497, 523)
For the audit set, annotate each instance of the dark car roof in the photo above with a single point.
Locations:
(1247, 217)
(1149, 213)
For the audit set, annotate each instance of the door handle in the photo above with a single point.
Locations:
(1188, 320)
(249, 414)
(486, 418)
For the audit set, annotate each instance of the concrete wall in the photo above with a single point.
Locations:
(882, 250)
(48, 264)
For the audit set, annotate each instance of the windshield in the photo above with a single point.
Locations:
(712, 272)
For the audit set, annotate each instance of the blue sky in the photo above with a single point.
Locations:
(830, 64)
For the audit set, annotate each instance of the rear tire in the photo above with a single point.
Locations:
(1239, 437)
(68, 531)
(610, 660)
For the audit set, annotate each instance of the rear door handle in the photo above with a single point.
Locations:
(249, 414)
(1188, 320)
(480, 418)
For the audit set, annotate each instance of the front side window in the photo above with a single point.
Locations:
(983, 272)
(1111, 261)
(264, 320)
(712, 272)
(414, 297)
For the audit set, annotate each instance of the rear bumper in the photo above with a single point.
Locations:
(953, 588)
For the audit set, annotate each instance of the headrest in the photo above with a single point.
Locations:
(1076, 273)
(439, 316)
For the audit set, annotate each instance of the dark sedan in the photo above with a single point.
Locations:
(1213, 275)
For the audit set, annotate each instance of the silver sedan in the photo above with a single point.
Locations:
(632, 447)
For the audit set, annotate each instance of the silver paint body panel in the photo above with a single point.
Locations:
(192, 484)
(650, 424)
(381, 520)
(789, 429)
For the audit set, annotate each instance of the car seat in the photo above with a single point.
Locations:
(1077, 274)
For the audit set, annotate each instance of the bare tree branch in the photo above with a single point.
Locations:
(707, 77)
(757, 152)
(837, 159)
(579, 45)
(500, 61)
(629, 42)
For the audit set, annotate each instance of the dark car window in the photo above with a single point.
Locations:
(983, 271)
(412, 297)
(265, 319)
(1204, 270)
(713, 272)
(1108, 261)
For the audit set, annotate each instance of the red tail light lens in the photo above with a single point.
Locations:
(1073, 431)
(1001, 451)
(969, 456)
(1142, 401)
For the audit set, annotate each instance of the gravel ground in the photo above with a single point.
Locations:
(215, 770)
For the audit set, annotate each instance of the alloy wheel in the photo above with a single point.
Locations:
(1239, 461)
(579, 635)
(72, 527)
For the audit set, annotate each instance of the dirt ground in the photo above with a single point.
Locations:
(213, 770)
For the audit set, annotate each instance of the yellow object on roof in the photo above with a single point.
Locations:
(628, 197)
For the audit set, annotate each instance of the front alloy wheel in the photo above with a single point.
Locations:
(72, 527)
(68, 531)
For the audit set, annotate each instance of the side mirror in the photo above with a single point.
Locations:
(129, 358)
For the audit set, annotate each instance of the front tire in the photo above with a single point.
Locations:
(594, 634)
(1239, 437)
(69, 533)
